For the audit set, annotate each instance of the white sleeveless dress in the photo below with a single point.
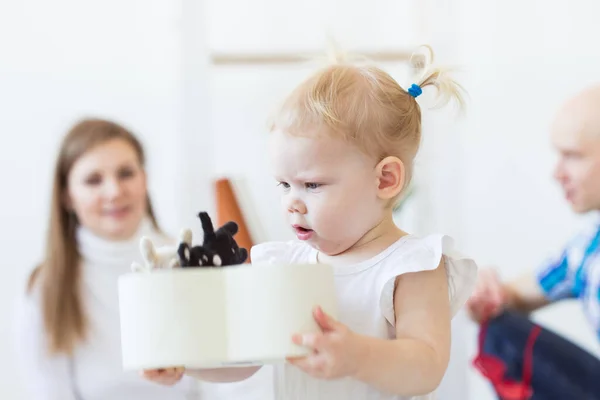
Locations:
(365, 297)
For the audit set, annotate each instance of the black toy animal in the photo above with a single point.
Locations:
(196, 256)
(218, 249)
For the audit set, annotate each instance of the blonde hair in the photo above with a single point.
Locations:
(58, 277)
(363, 104)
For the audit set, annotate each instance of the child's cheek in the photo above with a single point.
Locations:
(325, 214)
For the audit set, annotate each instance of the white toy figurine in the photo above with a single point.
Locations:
(163, 257)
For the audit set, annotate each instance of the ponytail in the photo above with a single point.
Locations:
(429, 75)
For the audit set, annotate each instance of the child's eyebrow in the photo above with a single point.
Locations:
(309, 175)
(304, 176)
(312, 179)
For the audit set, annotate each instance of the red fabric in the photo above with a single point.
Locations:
(494, 369)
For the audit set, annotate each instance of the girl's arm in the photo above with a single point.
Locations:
(415, 362)
(170, 376)
(223, 374)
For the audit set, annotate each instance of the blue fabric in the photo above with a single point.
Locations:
(561, 370)
(575, 273)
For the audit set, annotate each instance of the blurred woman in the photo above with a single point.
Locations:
(68, 325)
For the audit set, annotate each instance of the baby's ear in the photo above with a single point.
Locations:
(391, 177)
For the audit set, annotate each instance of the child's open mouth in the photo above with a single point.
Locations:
(303, 233)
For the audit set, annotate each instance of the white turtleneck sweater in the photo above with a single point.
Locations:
(95, 371)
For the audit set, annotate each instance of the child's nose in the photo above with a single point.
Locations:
(296, 206)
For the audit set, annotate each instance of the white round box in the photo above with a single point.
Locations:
(216, 317)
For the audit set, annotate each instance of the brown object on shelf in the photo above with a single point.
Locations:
(228, 209)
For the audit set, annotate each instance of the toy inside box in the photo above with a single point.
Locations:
(181, 310)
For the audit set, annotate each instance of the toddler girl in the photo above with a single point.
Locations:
(342, 147)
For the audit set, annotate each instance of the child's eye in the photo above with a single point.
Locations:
(284, 185)
(312, 185)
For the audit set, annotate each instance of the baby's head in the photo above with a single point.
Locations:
(342, 146)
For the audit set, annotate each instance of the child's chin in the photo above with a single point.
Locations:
(305, 235)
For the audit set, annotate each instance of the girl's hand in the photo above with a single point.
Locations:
(164, 376)
(337, 351)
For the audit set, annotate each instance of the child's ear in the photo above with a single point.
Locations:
(390, 177)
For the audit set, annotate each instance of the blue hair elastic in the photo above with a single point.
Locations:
(415, 90)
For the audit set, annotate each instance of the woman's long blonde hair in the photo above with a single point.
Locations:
(58, 277)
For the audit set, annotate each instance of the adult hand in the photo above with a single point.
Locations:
(164, 376)
(488, 298)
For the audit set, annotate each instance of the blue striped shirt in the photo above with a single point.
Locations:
(575, 273)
